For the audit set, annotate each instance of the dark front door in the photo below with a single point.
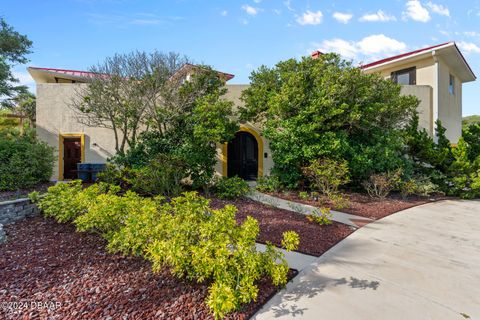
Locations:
(242, 157)
(72, 154)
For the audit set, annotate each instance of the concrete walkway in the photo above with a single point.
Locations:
(421, 263)
(296, 260)
(345, 218)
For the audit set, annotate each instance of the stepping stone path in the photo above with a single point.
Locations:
(345, 218)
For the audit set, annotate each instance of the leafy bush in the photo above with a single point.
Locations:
(464, 173)
(328, 108)
(161, 176)
(66, 201)
(303, 195)
(269, 184)
(24, 160)
(200, 243)
(185, 234)
(380, 185)
(322, 217)
(327, 175)
(116, 175)
(418, 185)
(231, 188)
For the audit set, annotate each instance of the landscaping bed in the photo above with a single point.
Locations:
(45, 261)
(364, 205)
(23, 193)
(314, 239)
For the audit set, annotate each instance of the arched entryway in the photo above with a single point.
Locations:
(243, 156)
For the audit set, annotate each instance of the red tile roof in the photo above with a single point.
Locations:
(403, 55)
(76, 73)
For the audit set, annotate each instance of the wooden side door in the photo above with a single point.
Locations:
(72, 154)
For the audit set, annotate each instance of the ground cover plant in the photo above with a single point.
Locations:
(185, 235)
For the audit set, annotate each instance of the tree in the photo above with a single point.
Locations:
(159, 104)
(122, 91)
(13, 50)
(325, 107)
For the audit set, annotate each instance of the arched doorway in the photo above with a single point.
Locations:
(242, 155)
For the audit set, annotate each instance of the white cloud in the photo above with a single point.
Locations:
(468, 47)
(250, 10)
(310, 17)
(342, 17)
(277, 11)
(416, 11)
(288, 4)
(24, 79)
(471, 33)
(378, 16)
(345, 48)
(370, 47)
(224, 13)
(257, 1)
(439, 9)
(379, 43)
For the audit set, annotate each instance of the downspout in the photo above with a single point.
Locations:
(435, 99)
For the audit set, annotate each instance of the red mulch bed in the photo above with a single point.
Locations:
(314, 239)
(44, 261)
(364, 205)
(22, 193)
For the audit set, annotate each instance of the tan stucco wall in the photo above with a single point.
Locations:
(441, 105)
(449, 106)
(425, 71)
(425, 108)
(54, 117)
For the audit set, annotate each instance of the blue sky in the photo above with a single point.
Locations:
(239, 36)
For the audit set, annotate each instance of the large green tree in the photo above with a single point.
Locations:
(326, 107)
(13, 50)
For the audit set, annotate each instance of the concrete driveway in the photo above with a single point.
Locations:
(421, 263)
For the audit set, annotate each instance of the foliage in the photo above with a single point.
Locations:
(116, 175)
(268, 184)
(322, 217)
(327, 108)
(24, 160)
(65, 201)
(162, 176)
(326, 175)
(107, 213)
(418, 185)
(231, 188)
(13, 50)
(303, 195)
(379, 185)
(471, 135)
(469, 120)
(465, 174)
(185, 234)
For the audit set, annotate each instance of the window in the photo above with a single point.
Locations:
(405, 76)
(451, 85)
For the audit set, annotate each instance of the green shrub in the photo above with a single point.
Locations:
(418, 185)
(327, 175)
(322, 217)
(185, 234)
(303, 195)
(24, 160)
(269, 184)
(162, 176)
(115, 175)
(464, 173)
(380, 185)
(231, 188)
(200, 243)
(66, 201)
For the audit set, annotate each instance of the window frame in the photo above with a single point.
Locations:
(412, 72)
(451, 84)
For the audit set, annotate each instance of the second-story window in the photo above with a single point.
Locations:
(451, 85)
(405, 76)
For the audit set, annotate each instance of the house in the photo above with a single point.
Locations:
(434, 74)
